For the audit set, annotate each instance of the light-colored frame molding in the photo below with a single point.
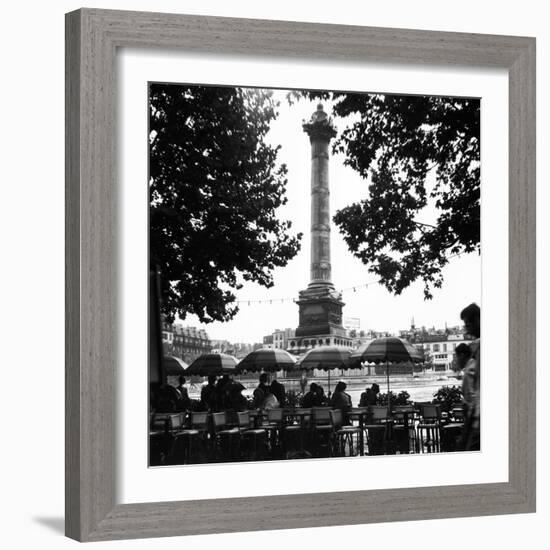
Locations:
(92, 39)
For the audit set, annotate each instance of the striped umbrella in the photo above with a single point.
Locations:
(387, 350)
(173, 366)
(266, 360)
(325, 358)
(212, 364)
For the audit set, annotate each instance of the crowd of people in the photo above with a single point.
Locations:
(224, 393)
(340, 399)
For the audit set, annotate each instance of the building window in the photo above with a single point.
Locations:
(436, 347)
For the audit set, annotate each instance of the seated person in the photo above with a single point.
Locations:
(261, 391)
(368, 397)
(322, 400)
(270, 402)
(340, 399)
(166, 399)
(183, 402)
(237, 401)
(208, 392)
(221, 396)
(278, 390)
(310, 399)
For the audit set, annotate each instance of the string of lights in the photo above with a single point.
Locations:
(355, 288)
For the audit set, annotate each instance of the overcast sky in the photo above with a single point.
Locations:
(376, 308)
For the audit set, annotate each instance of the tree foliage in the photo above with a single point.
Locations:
(417, 153)
(448, 397)
(215, 186)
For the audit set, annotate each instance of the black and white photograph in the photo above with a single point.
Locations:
(315, 274)
(250, 253)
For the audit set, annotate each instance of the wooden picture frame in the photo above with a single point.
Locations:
(92, 39)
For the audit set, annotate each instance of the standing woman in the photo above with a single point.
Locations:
(471, 315)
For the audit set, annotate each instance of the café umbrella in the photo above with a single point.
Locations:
(212, 364)
(173, 366)
(325, 358)
(266, 360)
(386, 350)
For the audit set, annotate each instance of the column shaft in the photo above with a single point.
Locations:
(320, 213)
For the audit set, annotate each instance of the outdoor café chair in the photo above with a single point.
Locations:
(275, 417)
(376, 428)
(159, 423)
(458, 414)
(274, 425)
(244, 421)
(418, 408)
(403, 430)
(343, 435)
(184, 439)
(322, 429)
(257, 416)
(429, 428)
(451, 431)
(360, 414)
(254, 437)
(160, 439)
(225, 440)
(199, 420)
(321, 416)
(293, 432)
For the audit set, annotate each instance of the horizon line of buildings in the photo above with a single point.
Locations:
(188, 343)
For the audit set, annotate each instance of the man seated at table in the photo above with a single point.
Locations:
(368, 397)
(208, 393)
(237, 401)
(310, 398)
(221, 395)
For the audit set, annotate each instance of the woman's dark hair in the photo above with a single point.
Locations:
(471, 312)
(341, 386)
(463, 349)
